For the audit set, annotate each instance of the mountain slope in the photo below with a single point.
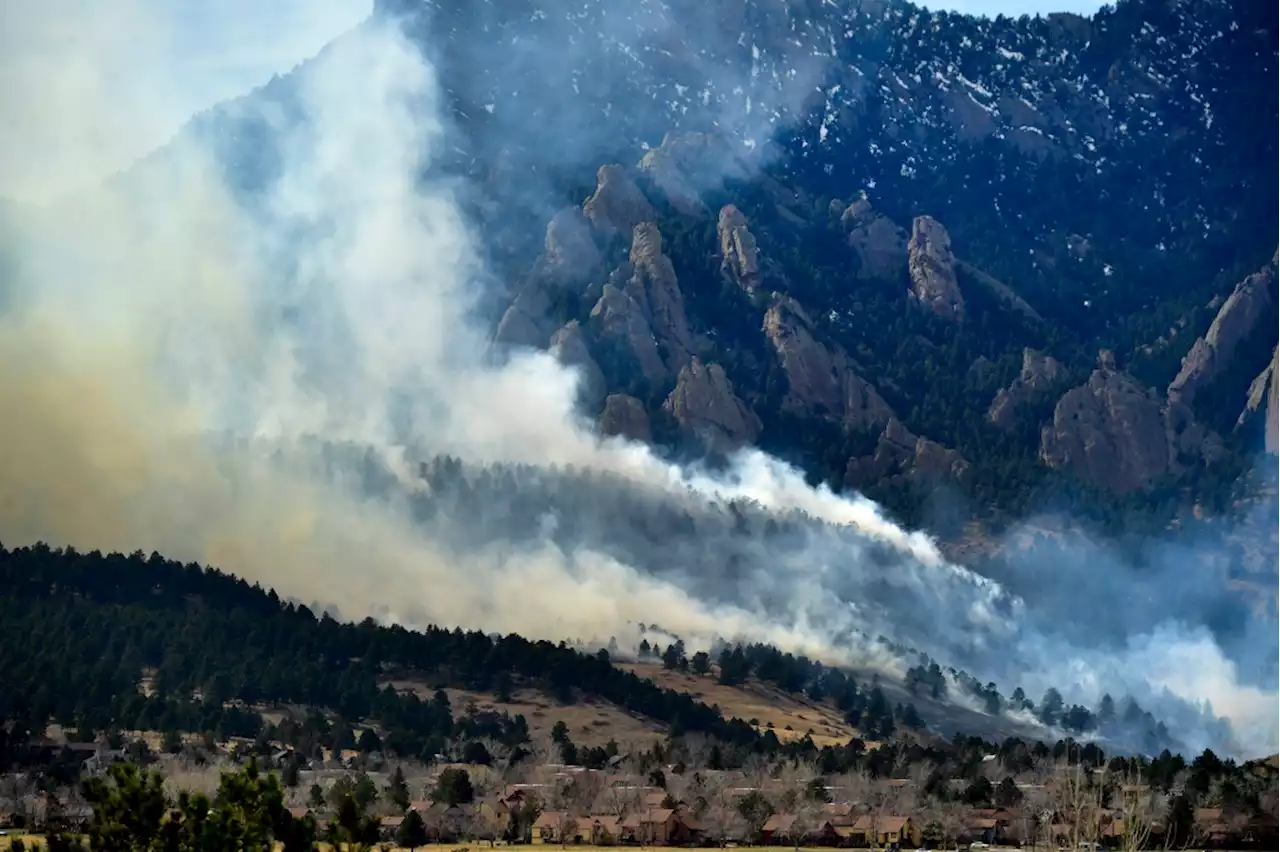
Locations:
(1088, 182)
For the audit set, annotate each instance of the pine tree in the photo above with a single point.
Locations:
(412, 833)
(398, 790)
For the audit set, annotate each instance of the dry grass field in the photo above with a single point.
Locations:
(789, 716)
(595, 722)
(590, 722)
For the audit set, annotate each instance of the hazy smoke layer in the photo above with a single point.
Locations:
(177, 362)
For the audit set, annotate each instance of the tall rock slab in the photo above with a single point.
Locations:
(617, 205)
(932, 266)
(739, 256)
(1113, 433)
(705, 406)
(1040, 373)
(879, 243)
(620, 323)
(1262, 403)
(1239, 315)
(821, 381)
(625, 416)
(654, 288)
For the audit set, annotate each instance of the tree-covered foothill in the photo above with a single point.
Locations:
(207, 646)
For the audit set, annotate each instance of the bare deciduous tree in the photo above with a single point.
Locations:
(1078, 802)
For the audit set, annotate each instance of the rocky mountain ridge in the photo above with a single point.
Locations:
(864, 213)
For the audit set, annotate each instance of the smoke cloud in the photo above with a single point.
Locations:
(182, 366)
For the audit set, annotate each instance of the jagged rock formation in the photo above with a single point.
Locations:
(740, 259)
(1235, 320)
(525, 321)
(1113, 433)
(687, 164)
(899, 452)
(879, 243)
(933, 269)
(625, 416)
(617, 204)
(654, 288)
(619, 321)
(705, 406)
(1040, 373)
(822, 381)
(569, 249)
(1262, 402)
(569, 346)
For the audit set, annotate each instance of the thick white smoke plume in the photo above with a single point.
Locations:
(158, 332)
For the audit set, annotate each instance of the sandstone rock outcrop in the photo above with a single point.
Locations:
(1113, 433)
(569, 347)
(899, 452)
(625, 416)
(617, 204)
(1262, 402)
(1040, 373)
(740, 259)
(705, 406)
(879, 243)
(620, 321)
(1236, 319)
(687, 164)
(525, 321)
(822, 381)
(569, 249)
(932, 266)
(654, 288)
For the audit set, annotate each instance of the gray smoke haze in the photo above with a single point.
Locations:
(176, 362)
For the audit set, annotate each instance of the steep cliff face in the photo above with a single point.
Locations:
(705, 406)
(617, 204)
(900, 453)
(739, 257)
(654, 288)
(569, 251)
(624, 416)
(878, 242)
(1261, 404)
(569, 346)
(1113, 433)
(525, 322)
(618, 321)
(1237, 318)
(1040, 373)
(933, 269)
(686, 165)
(821, 380)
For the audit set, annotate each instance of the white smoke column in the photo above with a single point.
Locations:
(152, 316)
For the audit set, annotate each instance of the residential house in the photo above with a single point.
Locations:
(654, 797)
(840, 813)
(655, 827)
(560, 827)
(883, 831)
(388, 827)
(606, 830)
(988, 825)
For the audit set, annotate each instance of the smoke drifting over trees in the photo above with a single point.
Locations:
(179, 355)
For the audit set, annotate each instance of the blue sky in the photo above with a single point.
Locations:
(90, 85)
